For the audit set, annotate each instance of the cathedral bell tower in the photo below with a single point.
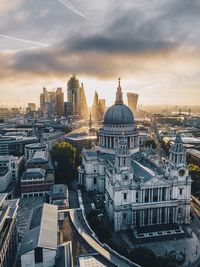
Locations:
(122, 156)
(177, 167)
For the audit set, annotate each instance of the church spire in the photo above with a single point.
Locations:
(119, 94)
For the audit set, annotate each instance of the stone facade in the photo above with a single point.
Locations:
(136, 193)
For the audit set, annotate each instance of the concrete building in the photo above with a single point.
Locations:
(15, 166)
(137, 194)
(59, 196)
(83, 103)
(132, 101)
(98, 108)
(59, 102)
(193, 157)
(32, 148)
(15, 145)
(68, 108)
(39, 245)
(76, 96)
(8, 231)
(48, 102)
(73, 87)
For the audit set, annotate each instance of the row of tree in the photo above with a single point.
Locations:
(66, 159)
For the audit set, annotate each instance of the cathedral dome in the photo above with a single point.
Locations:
(119, 114)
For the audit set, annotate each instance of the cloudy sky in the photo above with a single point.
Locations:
(153, 45)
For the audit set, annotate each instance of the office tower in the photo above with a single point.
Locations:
(95, 107)
(73, 94)
(48, 102)
(68, 108)
(83, 103)
(59, 102)
(132, 101)
(98, 108)
(102, 108)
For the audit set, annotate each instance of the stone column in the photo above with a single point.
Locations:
(143, 195)
(168, 215)
(149, 196)
(141, 218)
(160, 218)
(157, 220)
(161, 194)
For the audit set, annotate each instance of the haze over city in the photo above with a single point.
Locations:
(152, 45)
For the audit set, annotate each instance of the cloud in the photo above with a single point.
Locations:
(154, 41)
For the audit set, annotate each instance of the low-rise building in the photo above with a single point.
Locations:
(8, 231)
(32, 148)
(15, 145)
(39, 245)
(59, 196)
(193, 157)
(36, 182)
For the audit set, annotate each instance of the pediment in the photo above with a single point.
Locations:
(155, 182)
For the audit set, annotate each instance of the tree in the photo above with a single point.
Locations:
(63, 155)
(143, 256)
(194, 171)
(99, 227)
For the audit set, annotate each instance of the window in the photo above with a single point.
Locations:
(181, 191)
(137, 197)
(125, 196)
(95, 180)
(38, 255)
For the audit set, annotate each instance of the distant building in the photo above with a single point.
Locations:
(73, 88)
(193, 157)
(15, 166)
(68, 108)
(35, 182)
(15, 145)
(98, 108)
(32, 106)
(76, 96)
(59, 102)
(83, 103)
(8, 231)
(39, 175)
(132, 101)
(32, 148)
(59, 196)
(40, 242)
(48, 102)
(82, 137)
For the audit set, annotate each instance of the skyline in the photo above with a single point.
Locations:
(152, 45)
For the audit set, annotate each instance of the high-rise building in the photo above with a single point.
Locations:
(132, 101)
(83, 103)
(98, 108)
(95, 107)
(48, 102)
(76, 96)
(102, 107)
(59, 102)
(73, 88)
